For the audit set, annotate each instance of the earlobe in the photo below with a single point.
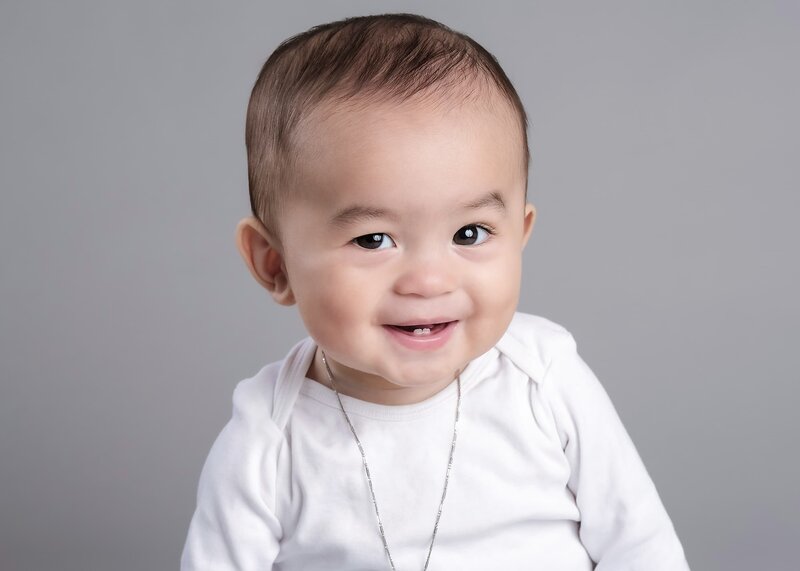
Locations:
(263, 257)
(527, 223)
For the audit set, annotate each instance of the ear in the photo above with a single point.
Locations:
(527, 223)
(263, 256)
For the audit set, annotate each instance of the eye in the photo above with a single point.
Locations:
(470, 235)
(371, 241)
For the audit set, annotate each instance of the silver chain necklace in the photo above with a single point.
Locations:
(369, 479)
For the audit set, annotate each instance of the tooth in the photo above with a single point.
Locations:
(423, 331)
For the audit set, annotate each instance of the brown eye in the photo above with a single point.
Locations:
(371, 241)
(470, 234)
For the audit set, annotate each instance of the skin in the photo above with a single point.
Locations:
(423, 162)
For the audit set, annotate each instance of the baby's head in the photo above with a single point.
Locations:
(387, 161)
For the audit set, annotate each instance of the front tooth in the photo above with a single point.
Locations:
(422, 331)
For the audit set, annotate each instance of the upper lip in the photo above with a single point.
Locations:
(424, 321)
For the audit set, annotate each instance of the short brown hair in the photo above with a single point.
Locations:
(379, 57)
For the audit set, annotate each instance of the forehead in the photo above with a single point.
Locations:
(411, 156)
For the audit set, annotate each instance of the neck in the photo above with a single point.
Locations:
(384, 393)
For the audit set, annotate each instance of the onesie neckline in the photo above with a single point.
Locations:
(470, 376)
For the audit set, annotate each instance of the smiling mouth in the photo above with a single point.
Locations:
(421, 329)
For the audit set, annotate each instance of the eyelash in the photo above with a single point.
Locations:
(490, 230)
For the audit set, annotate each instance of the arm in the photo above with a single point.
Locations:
(234, 526)
(624, 526)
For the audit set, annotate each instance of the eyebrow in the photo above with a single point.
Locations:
(492, 199)
(357, 213)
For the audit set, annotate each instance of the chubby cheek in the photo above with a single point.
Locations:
(495, 295)
(335, 306)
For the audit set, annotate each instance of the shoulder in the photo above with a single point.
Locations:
(266, 398)
(532, 341)
(254, 397)
(250, 430)
(244, 459)
(245, 452)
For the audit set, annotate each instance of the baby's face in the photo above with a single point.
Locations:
(409, 215)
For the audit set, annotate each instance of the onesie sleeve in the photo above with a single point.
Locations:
(234, 526)
(624, 525)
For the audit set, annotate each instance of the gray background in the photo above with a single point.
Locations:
(665, 172)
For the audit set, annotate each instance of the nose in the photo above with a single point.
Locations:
(427, 275)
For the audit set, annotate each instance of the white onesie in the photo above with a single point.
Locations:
(544, 474)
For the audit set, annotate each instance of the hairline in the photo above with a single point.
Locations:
(290, 90)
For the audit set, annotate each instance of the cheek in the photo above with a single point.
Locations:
(332, 303)
(497, 286)
(496, 296)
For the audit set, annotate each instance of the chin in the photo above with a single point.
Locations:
(422, 376)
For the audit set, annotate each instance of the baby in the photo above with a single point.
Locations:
(424, 422)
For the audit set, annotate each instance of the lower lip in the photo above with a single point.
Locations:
(422, 342)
